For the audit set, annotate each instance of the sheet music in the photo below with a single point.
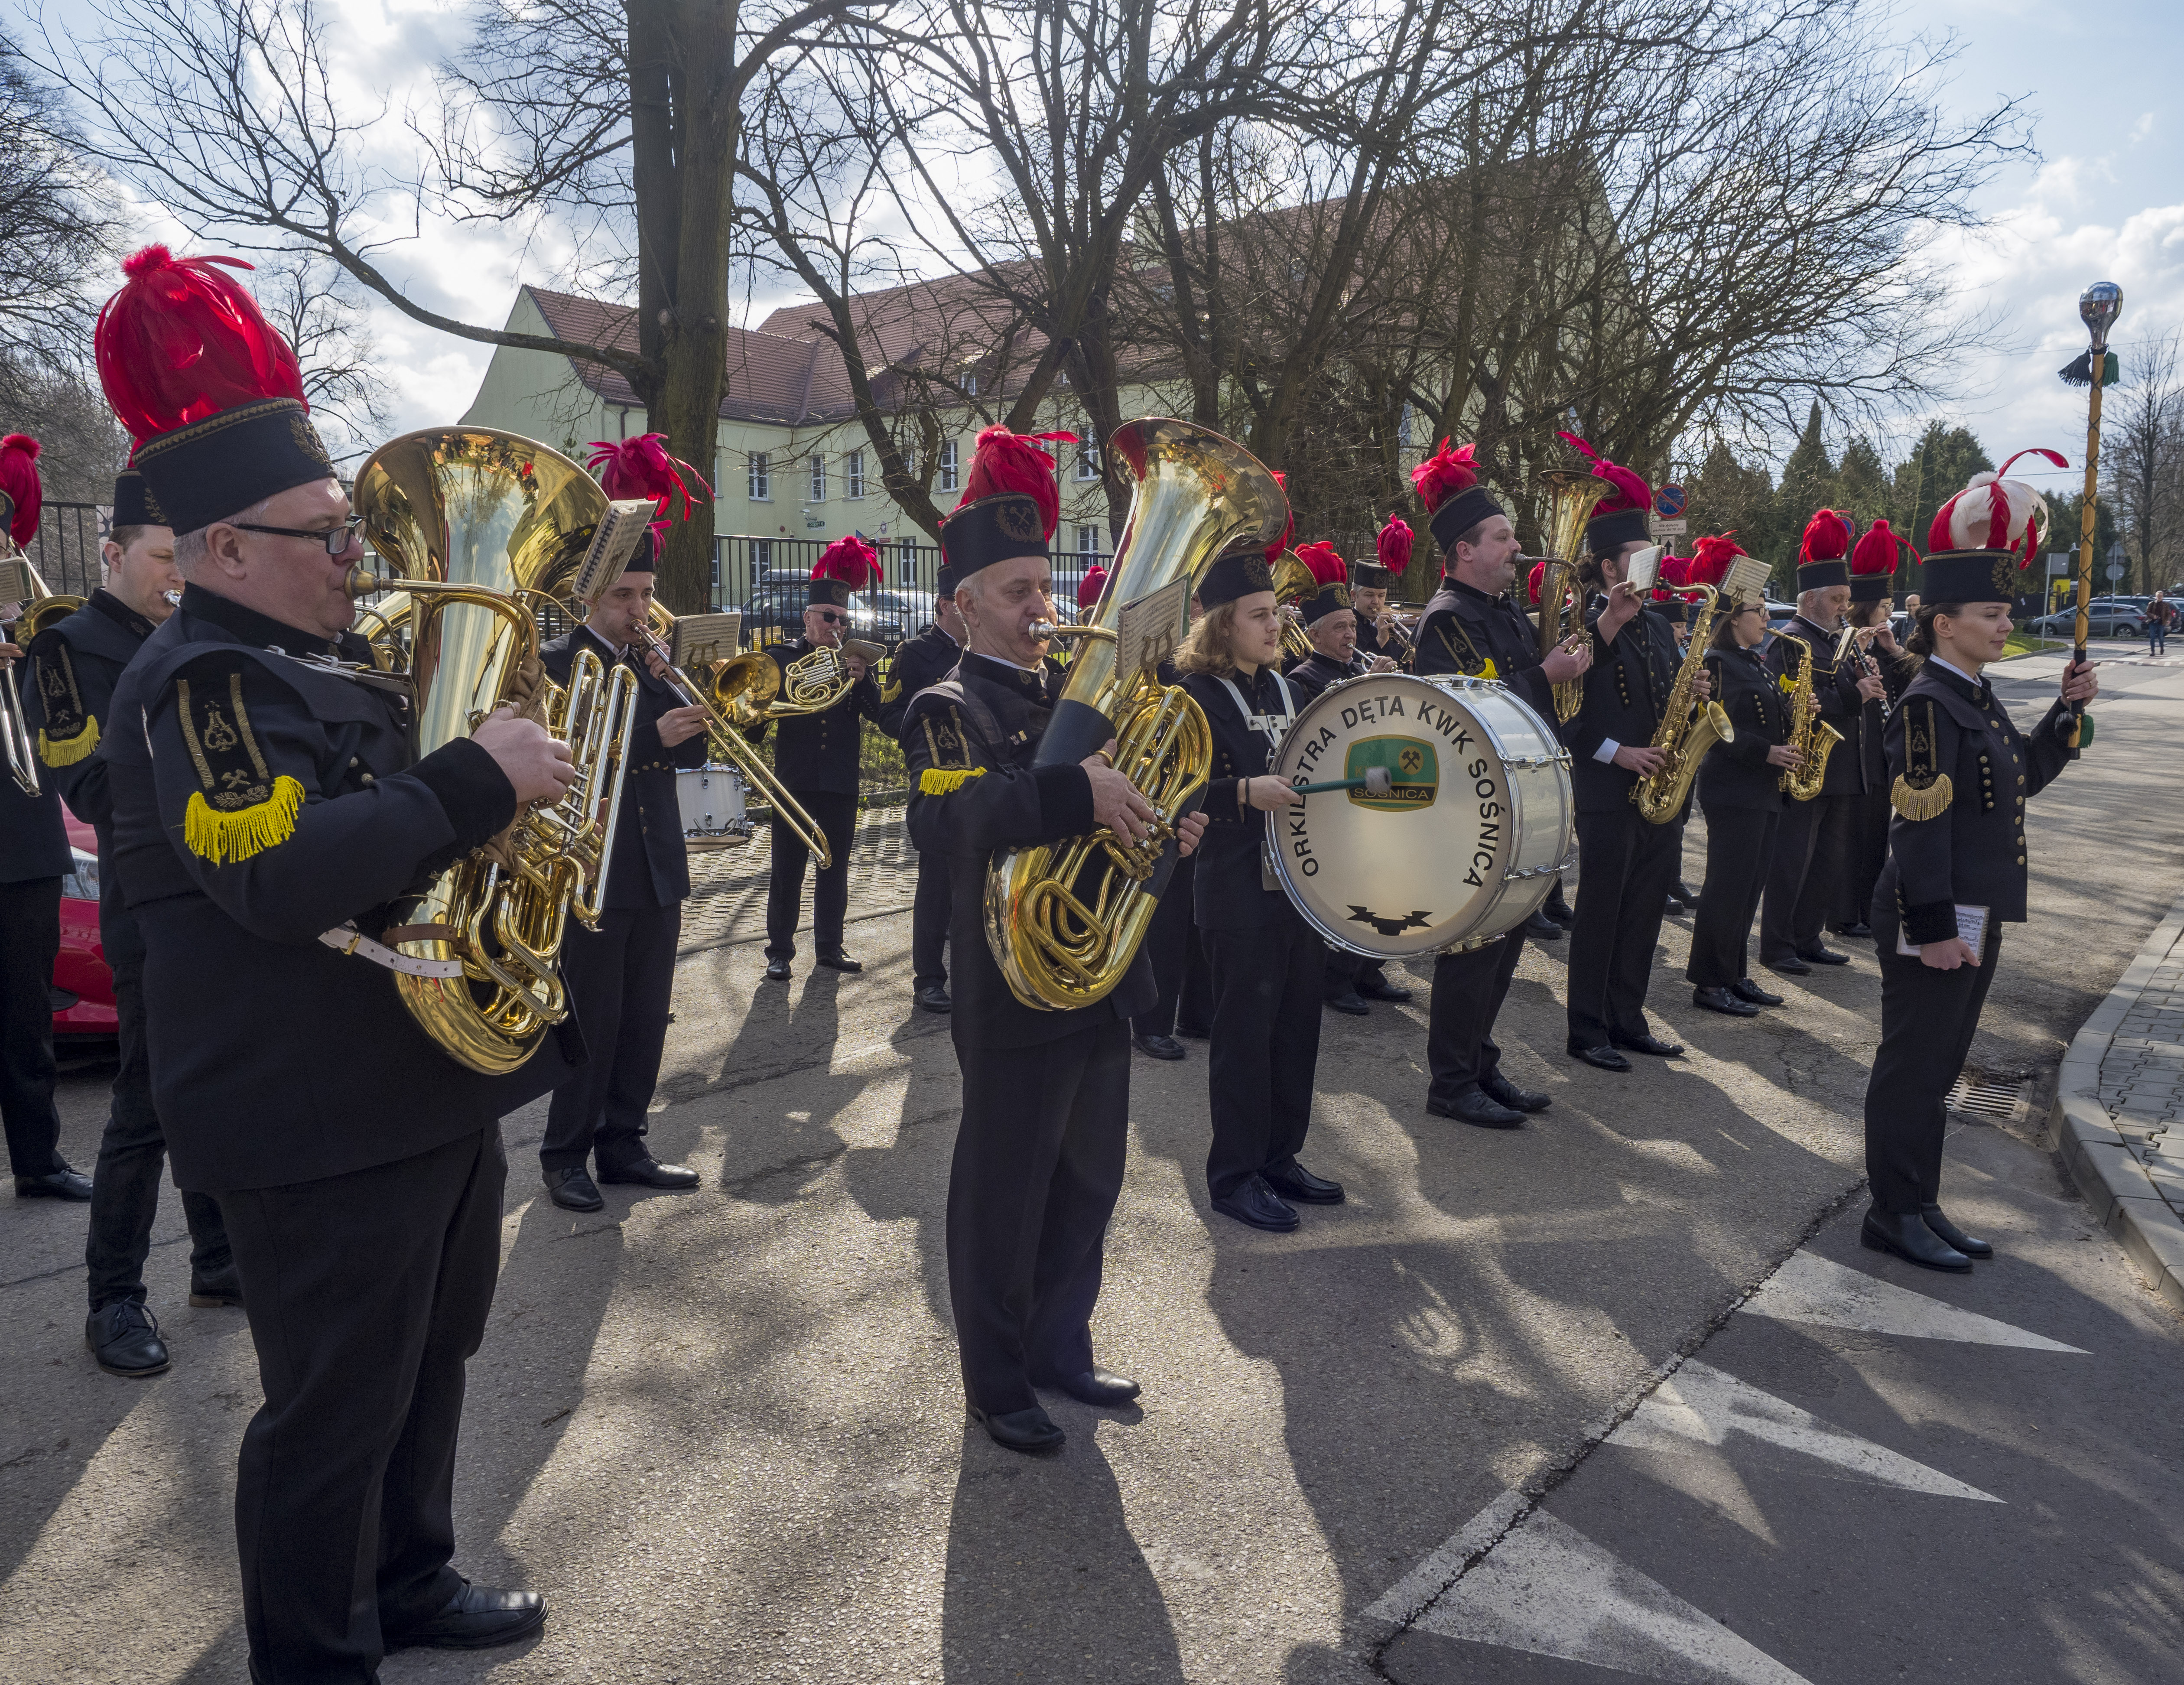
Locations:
(1643, 569)
(1747, 582)
(1148, 630)
(613, 541)
(701, 640)
(1971, 929)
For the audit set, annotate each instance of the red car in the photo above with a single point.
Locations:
(83, 988)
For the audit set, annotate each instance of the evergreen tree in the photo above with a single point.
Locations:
(1808, 484)
(1729, 497)
(1864, 486)
(1940, 465)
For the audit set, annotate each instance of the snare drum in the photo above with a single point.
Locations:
(1465, 843)
(711, 798)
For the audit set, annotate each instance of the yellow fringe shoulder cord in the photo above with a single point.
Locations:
(224, 837)
(1929, 803)
(932, 781)
(66, 751)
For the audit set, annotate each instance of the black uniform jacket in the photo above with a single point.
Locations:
(1840, 705)
(1307, 679)
(1895, 671)
(650, 865)
(68, 701)
(1736, 773)
(1231, 892)
(924, 660)
(1369, 645)
(259, 801)
(33, 841)
(821, 752)
(1626, 689)
(1468, 632)
(968, 742)
(1972, 849)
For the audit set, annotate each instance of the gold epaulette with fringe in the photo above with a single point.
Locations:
(1923, 790)
(221, 838)
(66, 751)
(245, 808)
(933, 781)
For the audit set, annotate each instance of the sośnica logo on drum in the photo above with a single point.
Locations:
(1413, 771)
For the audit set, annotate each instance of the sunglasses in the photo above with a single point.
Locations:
(832, 618)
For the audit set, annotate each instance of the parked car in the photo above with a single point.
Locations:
(82, 986)
(774, 612)
(2105, 617)
(1779, 615)
(890, 615)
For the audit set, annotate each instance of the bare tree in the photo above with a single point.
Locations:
(2143, 451)
(58, 210)
(320, 310)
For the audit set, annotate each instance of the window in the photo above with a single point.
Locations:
(818, 479)
(1088, 461)
(761, 558)
(948, 472)
(1403, 428)
(761, 479)
(1087, 541)
(971, 383)
(852, 474)
(910, 561)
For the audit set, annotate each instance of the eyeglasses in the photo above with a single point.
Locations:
(337, 539)
(830, 617)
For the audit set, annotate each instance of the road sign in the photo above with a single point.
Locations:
(2115, 570)
(2059, 561)
(1670, 502)
(1669, 529)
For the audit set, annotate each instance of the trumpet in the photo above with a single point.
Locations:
(727, 685)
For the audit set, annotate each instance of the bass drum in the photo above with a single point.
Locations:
(1465, 843)
(711, 798)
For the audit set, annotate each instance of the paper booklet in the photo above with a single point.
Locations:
(1971, 928)
(1643, 569)
(1149, 628)
(614, 542)
(701, 640)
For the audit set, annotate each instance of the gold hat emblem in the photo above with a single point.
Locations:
(1018, 518)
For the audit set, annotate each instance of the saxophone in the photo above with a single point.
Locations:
(1685, 732)
(1810, 735)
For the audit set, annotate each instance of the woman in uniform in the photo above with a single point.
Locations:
(1266, 962)
(1961, 774)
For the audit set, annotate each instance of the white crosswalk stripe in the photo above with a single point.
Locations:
(1809, 1288)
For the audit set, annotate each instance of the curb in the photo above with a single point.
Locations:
(2108, 1155)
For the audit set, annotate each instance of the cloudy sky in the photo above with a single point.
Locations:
(2103, 201)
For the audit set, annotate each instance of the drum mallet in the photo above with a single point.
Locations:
(1377, 781)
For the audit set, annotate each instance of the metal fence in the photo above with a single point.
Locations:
(65, 551)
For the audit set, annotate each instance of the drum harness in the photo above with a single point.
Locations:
(1273, 728)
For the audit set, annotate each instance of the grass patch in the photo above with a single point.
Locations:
(2030, 644)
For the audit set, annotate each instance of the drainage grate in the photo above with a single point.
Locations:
(2004, 1101)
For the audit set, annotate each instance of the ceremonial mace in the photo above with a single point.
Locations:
(2099, 306)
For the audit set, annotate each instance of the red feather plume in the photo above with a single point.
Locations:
(641, 467)
(182, 341)
(1394, 544)
(1877, 551)
(848, 559)
(1327, 567)
(1827, 538)
(18, 478)
(1003, 462)
(1089, 587)
(1539, 576)
(1711, 558)
(1274, 550)
(1631, 492)
(1444, 474)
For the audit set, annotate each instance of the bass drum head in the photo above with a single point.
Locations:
(1476, 821)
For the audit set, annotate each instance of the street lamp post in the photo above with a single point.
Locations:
(2099, 306)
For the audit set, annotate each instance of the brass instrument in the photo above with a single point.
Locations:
(1811, 736)
(1064, 920)
(483, 527)
(1686, 732)
(1292, 583)
(47, 608)
(1561, 604)
(723, 741)
(753, 688)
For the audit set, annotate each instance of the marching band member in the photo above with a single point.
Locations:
(923, 661)
(33, 858)
(819, 759)
(1378, 633)
(265, 799)
(1811, 850)
(1040, 1152)
(1740, 789)
(70, 702)
(1267, 962)
(1627, 864)
(620, 976)
(1471, 627)
(1088, 591)
(1553, 916)
(1872, 581)
(1183, 1003)
(1962, 772)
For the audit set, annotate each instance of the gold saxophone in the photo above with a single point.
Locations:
(1810, 735)
(1686, 731)
(1574, 494)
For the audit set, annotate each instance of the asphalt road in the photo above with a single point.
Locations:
(723, 1431)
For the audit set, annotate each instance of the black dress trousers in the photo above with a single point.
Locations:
(132, 1161)
(1927, 1021)
(29, 942)
(1037, 1171)
(928, 921)
(1812, 857)
(1267, 992)
(1625, 868)
(1741, 844)
(1169, 939)
(1868, 854)
(1468, 991)
(367, 1293)
(836, 816)
(621, 979)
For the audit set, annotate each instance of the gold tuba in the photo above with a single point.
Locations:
(1292, 583)
(1810, 735)
(22, 584)
(481, 528)
(1064, 920)
(1560, 600)
(1683, 734)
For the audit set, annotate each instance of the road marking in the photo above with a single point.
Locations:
(1700, 1403)
(1401, 1601)
(1809, 1288)
(1547, 1589)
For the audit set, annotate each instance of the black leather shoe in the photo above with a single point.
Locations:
(1970, 1245)
(1650, 1043)
(573, 1190)
(1906, 1236)
(776, 971)
(1349, 1000)
(838, 961)
(934, 997)
(1479, 1108)
(1496, 1087)
(476, 1618)
(1788, 965)
(1159, 1047)
(1680, 890)
(1031, 1431)
(1260, 1206)
(222, 1290)
(1380, 988)
(1854, 932)
(1191, 1032)
(652, 1174)
(1300, 1185)
(1746, 990)
(1822, 955)
(61, 1183)
(1723, 1000)
(1541, 928)
(1602, 1057)
(1559, 909)
(125, 1337)
(1098, 1387)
